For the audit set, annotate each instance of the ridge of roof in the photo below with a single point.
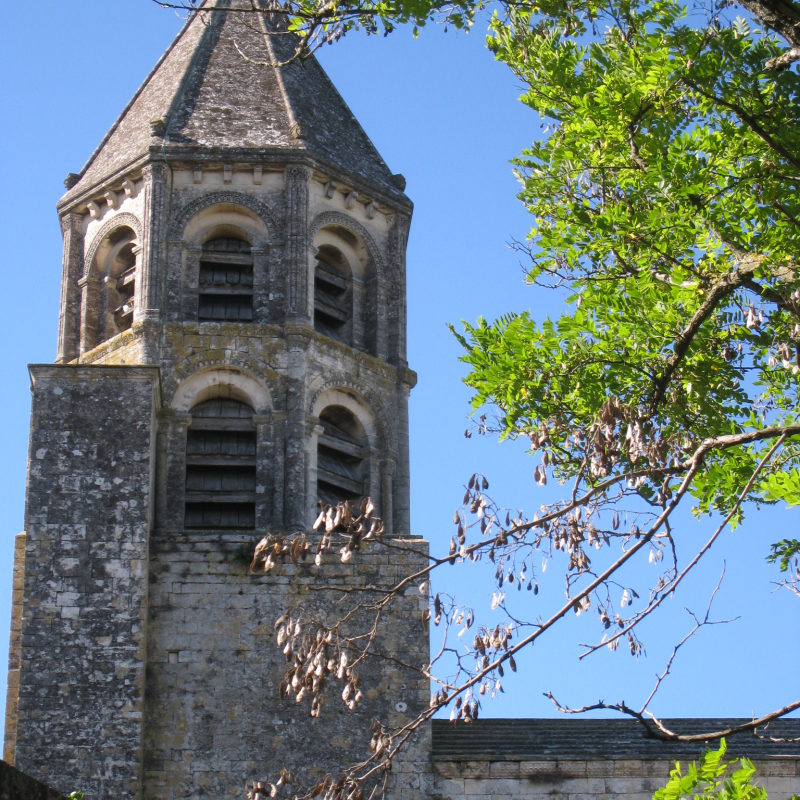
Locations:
(215, 94)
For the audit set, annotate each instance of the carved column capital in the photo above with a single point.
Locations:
(296, 172)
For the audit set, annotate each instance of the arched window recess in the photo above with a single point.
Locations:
(333, 301)
(122, 288)
(221, 466)
(226, 281)
(340, 457)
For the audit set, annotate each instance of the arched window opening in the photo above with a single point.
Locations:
(107, 305)
(226, 281)
(221, 466)
(120, 285)
(340, 457)
(333, 295)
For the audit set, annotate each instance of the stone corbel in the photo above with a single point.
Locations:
(370, 209)
(227, 173)
(258, 173)
(129, 187)
(158, 128)
(350, 200)
(299, 130)
(94, 209)
(111, 198)
(330, 189)
(197, 174)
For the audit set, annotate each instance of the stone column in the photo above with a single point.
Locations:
(297, 261)
(190, 279)
(298, 337)
(71, 272)
(278, 468)
(383, 316)
(175, 290)
(396, 299)
(402, 479)
(171, 486)
(360, 311)
(150, 275)
(90, 312)
(265, 452)
(313, 450)
(388, 468)
(276, 305)
(156, 177)
(261, 284)
(372, 484)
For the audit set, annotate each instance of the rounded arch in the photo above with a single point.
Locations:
(225, 220)
(222, 382)
(123, 220)
(261, 210)
(336, 218)
(234, 361)
(366, 409)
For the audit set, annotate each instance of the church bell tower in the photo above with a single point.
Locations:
(231, 353)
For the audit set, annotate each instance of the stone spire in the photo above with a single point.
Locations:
(215, 89)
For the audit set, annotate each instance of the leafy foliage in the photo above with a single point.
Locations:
(664, 200)
(711, 778)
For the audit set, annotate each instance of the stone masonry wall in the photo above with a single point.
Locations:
(261, 350)
(584, 779)
(14, 647)
(213, 715)
(81, 680)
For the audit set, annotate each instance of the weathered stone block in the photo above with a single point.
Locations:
(504, 769)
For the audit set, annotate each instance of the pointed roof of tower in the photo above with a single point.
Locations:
(214, 90)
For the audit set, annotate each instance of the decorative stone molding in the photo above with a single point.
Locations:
(124, 220)
(222, 381)
(262, 210)
(231, 362)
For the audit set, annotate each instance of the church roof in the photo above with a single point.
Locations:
(214, 90)
(535, 739)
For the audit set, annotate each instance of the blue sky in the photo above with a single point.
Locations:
(445, 115)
